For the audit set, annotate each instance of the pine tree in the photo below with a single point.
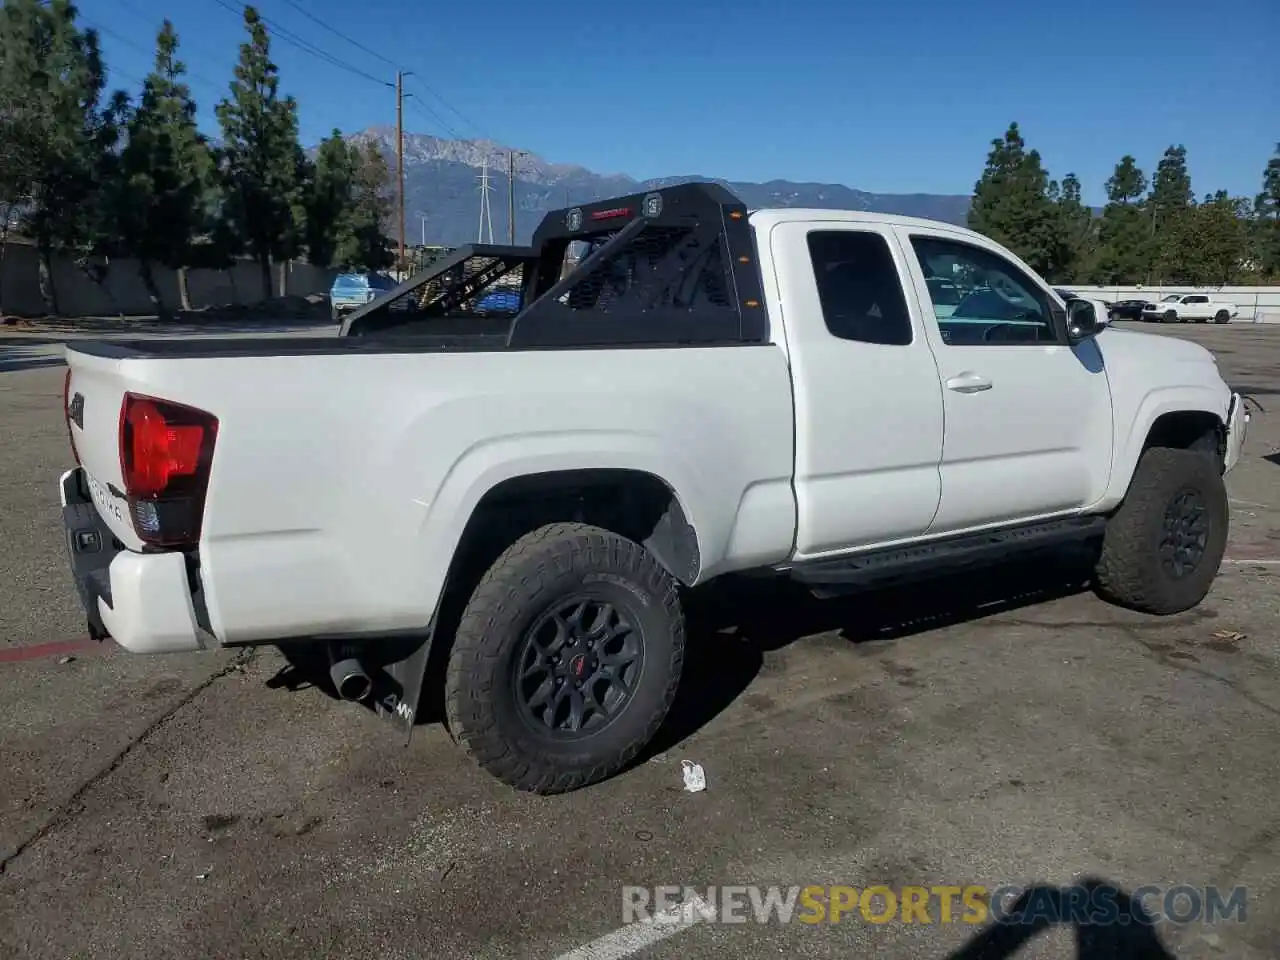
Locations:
(1266, 212)
(57, 137)
(1220, 238)
(1171, 208)
(1127, 183)
(1123, 232)
(329, 197)
(261, 158)
(363, 241)
(1077, 232)
(161, 201)
(1011, 203)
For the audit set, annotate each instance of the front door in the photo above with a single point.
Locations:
(1028, 416)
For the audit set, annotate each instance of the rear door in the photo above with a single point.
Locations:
(1028, 416)
(1195, 307)
(867, 398)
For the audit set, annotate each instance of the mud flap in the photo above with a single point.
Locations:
(401, 685)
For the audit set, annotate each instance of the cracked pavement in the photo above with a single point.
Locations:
(1001, 728)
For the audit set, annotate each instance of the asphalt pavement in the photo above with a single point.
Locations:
(1007, 728)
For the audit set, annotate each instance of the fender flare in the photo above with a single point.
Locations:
(1154, 405)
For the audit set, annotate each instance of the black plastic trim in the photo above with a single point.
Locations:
(944, 554)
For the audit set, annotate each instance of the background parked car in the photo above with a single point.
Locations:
(352, 290)
(1128, 309)
(1196, 307)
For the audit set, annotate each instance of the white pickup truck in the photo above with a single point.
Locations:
(1181, 307)
(523, 498)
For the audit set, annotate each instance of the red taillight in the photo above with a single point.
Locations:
(166, 450)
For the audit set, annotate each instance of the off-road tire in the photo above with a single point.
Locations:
(1222, 316)
(540, 569)
(1130, 571)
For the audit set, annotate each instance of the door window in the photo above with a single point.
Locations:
(980, 298)
(859, 287)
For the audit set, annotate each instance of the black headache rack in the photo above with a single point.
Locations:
(670, 266)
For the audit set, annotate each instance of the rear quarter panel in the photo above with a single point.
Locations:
(341, 484)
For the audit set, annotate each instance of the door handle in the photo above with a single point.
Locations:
(968, 383)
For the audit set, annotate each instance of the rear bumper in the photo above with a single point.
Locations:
(143, 601)
(1237, 429)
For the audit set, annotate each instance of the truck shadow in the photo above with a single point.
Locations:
(733, 624)
(1130, 934)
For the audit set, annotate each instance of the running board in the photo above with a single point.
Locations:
(839, 575)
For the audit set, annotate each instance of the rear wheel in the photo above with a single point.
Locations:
(566, 659)
(1162, 549)
(1222, 316)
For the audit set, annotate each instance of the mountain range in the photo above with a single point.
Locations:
(443, 178)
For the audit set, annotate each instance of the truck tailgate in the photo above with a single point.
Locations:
(95, 390)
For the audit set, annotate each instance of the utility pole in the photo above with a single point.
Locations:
(400, 163)
(486, 210)
(511, 194)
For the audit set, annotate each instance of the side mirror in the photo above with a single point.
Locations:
(1082, 321)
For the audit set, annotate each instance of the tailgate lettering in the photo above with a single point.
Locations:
(105, 503)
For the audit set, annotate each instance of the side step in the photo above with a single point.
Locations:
(947, 555)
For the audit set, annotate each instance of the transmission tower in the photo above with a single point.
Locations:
(486, 211)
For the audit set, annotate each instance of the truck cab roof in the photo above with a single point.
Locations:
(766, 217)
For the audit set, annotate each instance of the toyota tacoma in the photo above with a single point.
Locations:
(524, 495)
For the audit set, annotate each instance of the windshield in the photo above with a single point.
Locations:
(1172, 298)
(350, 280)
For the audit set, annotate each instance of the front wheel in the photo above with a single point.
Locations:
(1170, 316)
(1162, 549)
(566, 659)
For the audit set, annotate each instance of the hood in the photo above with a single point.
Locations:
(1135, 347)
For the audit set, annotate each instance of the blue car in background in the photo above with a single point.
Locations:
(352, 290)
(499, 301)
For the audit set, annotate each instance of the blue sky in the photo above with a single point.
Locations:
(886, 96)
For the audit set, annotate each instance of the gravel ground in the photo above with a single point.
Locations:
(996, 729)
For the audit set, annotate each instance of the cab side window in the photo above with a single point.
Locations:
(859, 287)
(981, 299)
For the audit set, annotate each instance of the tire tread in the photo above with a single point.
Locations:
(548, 553)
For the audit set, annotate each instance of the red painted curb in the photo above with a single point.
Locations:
(38, 651)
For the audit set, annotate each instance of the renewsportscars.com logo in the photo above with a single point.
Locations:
(972, 904)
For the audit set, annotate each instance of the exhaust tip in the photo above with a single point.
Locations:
(350, 680)
(355, 686)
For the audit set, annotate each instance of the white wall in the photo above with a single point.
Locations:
(1256, 304)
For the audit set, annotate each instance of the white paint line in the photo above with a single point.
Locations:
(1263, 562)
(635, 937)
(1252, 503)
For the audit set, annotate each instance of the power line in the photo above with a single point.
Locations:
(432, 115)
(391, 63)
(448, 106)
(183, 42)
(338, 33)
(141, 49)
(305, 46)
